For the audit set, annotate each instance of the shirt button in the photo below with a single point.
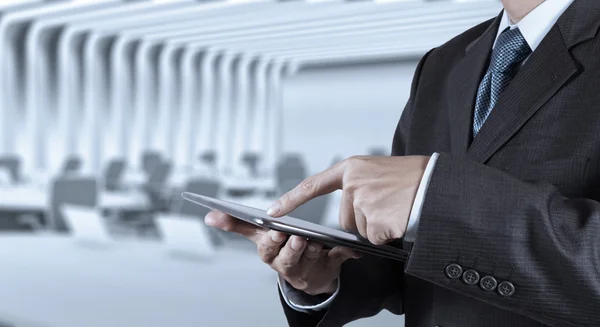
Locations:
(454, 271)
(470, 277)
(488, 283)
(506, 289)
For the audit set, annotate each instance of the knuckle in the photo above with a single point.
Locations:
(376, 233)
(285, 273)
(265, 253)
(359, 202)
(349, 185)
(352, 160)
(394, 234)
(229, 226)
(349, 165)
(345, 224)
(355, 161)
(309, 185)
(312, 256)
(287, 261)
(376, 238)
(286, 264)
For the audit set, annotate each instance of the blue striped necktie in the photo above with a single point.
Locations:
(510, 50)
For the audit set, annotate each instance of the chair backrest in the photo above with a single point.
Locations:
(114, 174)
(202, 186)
(251, 159)
(159, 175)
(71, 165)
(13, 166)
(155, 186)
(150, 160)
(80, 191)
(314, 210)
(208, 157)
(291, 167)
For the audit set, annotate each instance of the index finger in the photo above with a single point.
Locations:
(322, 183)
(229, 224)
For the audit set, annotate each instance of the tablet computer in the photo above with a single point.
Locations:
(298, 227)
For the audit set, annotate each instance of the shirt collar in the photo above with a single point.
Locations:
(538, 22)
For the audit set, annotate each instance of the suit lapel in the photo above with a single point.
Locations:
(545, 72)
(465, 78)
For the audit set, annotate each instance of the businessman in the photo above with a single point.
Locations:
(493, 186)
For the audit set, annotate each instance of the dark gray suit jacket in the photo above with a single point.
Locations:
(518, 203)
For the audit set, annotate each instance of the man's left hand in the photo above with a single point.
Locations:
(377, 194)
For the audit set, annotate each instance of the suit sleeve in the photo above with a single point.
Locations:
(545, 245)
(370, 284)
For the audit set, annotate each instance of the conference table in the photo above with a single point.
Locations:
(248, 184)
(242, 184)
(35, 198)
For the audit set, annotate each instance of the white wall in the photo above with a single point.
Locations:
(344, 110)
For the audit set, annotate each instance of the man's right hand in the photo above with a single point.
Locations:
(304, 264)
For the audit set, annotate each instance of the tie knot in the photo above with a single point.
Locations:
(511, 48)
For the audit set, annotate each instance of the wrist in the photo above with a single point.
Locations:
(331, 288)
(327, 290)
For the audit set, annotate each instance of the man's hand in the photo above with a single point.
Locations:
(305, 265)
(378, 194)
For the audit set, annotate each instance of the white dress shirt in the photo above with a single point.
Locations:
(534, 28)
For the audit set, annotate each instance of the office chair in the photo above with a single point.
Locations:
(150, 160)
(156, 185)
(290, 167)
(182, 207)
(13, 165)
(113, 174)
(379, 152)
(71, 165)
(80, 191)
(142, 222)
(183, 226)
(202, 186)
(251, 160)
(208, 157)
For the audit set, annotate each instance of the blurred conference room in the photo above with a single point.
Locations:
(110, 109)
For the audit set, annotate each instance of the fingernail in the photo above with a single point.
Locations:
(312, 248)
(209, 220)
(276, 237)
(296, 244)
(274, 209)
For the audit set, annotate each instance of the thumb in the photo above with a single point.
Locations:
(339, 255)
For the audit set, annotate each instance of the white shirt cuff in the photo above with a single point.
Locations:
(415, 214)
(309, 303)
